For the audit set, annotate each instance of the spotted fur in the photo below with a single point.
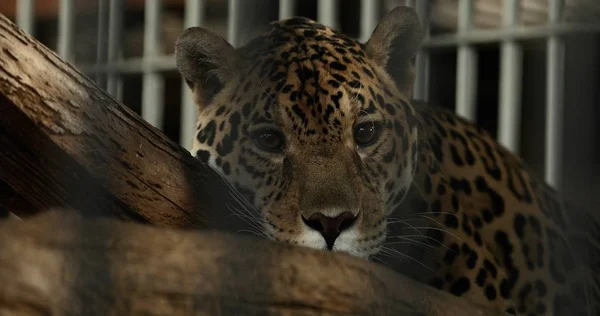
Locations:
(467, 215)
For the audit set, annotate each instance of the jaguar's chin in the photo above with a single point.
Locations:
(352, 244)
(349, 242)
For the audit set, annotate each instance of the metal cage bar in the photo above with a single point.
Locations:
(102, 40)
(509, 127)
(466, 73)
(114, 82)
(134, 65)
(26, 15)
(327, 13)
(554, 99)
(66, 26)
(194, 10)
(286, 8)
(421, 86)
(153, 82)
(234, 17)
(369, 17)
(503, 34)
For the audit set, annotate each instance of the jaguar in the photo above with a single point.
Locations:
(318, 135)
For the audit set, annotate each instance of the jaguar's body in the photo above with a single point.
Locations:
(318, 133)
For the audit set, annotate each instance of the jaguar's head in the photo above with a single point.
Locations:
(312, 127)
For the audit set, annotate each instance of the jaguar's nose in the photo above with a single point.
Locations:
(330, 227)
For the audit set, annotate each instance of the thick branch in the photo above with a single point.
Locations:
(59, 264)
(67, 143)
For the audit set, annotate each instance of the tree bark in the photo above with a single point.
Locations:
(66, 142)
(59, 264)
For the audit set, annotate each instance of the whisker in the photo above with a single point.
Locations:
(250, 231)
(375, 258)
(428, 227)
(405, 223)
(407, 243)
(427, 238)
(435, 213)
(253, 230)
(251, 221)
(433, 220)
(237, 196)
(422, 195)
(441, 230)
(240, 199)
(422, 245)
(246, 212)
(391, 252)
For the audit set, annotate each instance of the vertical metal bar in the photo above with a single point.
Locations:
(554, 99)
(234, 22)
(327, 13)
(193, 17)
(26, 15)
(102, 41)
(66, 26)
(153, 82)
(369, 16)
(286, 8)
(410, 3)
(421, 86)
(466, 81)
(114, 82)
(509, 127)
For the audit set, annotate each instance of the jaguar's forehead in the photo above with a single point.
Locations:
(300, 39)
(313, 69)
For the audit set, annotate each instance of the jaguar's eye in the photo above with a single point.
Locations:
(367, 133)
(268, 139)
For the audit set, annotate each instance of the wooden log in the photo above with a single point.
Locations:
(65, 142)
(60, 264)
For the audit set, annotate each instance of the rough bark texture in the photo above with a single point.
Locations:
(67, 143)
(59, 264)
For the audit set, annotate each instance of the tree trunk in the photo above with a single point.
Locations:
(59, 264)
(67, 143)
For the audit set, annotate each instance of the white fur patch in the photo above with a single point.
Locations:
(312, 239)
(348, 242)
(212, 163)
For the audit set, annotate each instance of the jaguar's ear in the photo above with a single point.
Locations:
(394, 44)
(206, 62)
